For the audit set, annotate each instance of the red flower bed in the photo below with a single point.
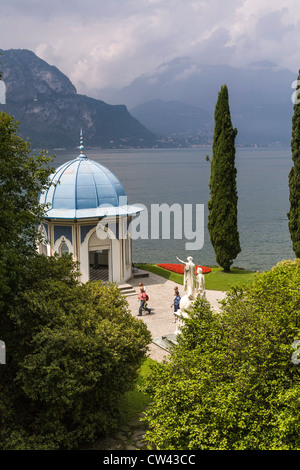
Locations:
(179, 268)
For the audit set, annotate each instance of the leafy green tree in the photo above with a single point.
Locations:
(72, 352)
(222, 218)
(22, 176)
(231, 383)
(294, 179)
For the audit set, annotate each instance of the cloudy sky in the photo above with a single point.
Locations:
(108, 43)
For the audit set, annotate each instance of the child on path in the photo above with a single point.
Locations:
(141, 285)
(176, 303)
(143, 299)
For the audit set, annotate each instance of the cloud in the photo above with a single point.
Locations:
(216, 49)
(101, 43)
(272, 28)
(190, 71)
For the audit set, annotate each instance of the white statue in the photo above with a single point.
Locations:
(189, 277)
(200, 284)
(192, 291)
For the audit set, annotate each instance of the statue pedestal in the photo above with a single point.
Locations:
(192, 292)
(186, 304)
(201, 295)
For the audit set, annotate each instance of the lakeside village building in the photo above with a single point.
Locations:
(84, 201)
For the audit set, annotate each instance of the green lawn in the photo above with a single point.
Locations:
(218, 280)
(215, 280)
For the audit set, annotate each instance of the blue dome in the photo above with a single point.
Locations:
(82, 188)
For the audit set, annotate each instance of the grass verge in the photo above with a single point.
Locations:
(218, 280)
(135, 402)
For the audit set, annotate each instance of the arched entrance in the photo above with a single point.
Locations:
(99, 259)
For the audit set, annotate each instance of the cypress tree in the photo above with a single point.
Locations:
(222, 218)
(294, 178)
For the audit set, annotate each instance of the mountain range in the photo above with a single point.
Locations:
(51, 112)
(184, 123)
(172, 106)
(259, 94)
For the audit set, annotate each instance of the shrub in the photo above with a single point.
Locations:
(72, 353)
(230, 383)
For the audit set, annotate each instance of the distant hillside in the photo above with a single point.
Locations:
(175, 119)
(260, 95)
(51, 112)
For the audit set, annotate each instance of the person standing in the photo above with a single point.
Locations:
(176, 304)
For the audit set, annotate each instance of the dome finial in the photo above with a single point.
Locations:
(81, 147)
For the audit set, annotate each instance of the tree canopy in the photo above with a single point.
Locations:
(72, 353)
(22, 176)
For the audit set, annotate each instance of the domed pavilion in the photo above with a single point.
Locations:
(88, 216)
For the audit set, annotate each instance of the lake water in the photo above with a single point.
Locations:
(182, 176)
